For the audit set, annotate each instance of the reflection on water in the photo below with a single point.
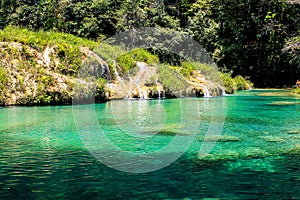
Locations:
(138, 117)
(257, 155)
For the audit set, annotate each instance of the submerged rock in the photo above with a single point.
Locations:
(229, 155)
(272, 138)
(292, 132)
(253, 152)
(275, 93)
(173, 130)
(283, 103)
(226, 155)
(219, 138)
(294, 150)
(258, 165)
(295, 136)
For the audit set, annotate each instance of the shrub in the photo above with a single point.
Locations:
(187, 69)
(68, 46)
(143, 55)
(229, 83)
(101, 83)
(3, 78)
(100, 90)
(126, 62)
(296, 91)
(41, 39)
(171, 80)
(108, 52)
(242, 83)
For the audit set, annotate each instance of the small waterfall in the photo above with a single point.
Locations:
(105, 68)
(105, 72)
(134, 86)
(205, 89)
(223, 92)
(129, 89)
(116, 71)
(145, 93)
(202, 86)
(158, 89)
(141, 94)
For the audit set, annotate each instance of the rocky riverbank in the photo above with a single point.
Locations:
(39, 77)
(52, 68)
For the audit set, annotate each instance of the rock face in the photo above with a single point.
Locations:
(43, 77)
(40, 78)
(137, 85)
(145, 83)
(28, 74)
(99, 67)
(204, 87)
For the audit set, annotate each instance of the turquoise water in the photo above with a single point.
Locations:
(257, 154)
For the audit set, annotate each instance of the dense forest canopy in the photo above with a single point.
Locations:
(259, 39)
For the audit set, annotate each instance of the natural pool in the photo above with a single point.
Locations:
(257, 154)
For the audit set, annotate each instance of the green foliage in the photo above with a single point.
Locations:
(228, 83)
(236, 83)
(67, 46)
(41, 39)
(245, 37)
(83, 18)
(291, 53)
(101, 83)
(257, 39)
(126, 62)
(203, 27)
(144, 13)
(100, 90)
(187, 69)
(171, 80)
(46, 80)
(3, 78)
(108, 52)
(296, 91)
(242, 83)
(143, 55)
(251, 35)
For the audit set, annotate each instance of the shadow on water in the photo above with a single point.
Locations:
(54, 174)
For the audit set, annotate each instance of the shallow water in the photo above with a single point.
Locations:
(256, 156)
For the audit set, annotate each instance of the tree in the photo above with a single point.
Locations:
(144, 13)
(251, 36)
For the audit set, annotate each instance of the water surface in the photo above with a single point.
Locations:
(256, 156)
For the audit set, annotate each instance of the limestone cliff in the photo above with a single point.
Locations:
(39, 77)
(43, 77)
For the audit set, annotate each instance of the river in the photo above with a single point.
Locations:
(256, 154)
